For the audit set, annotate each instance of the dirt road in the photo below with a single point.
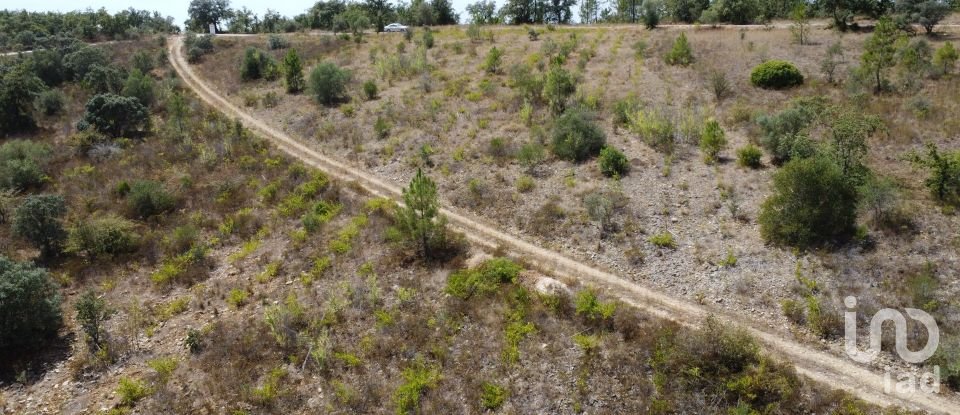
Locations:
(821, 366)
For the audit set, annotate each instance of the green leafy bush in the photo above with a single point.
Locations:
(38, 219)
(293, 72)
(148, 198)
(588, 305)
(139, 86)
(813, 203)
(30, 310)
(22, 164)
(328, 83)
(576, 137)
(776, 74)
(557, 87)
(275, 42)
(370, 90)
(612, 162)
(785, 132)
(257, 64)
(116, 116)
(108, 235)
(483, 279)
(492, 63)
(51, 102)
(493, 395)
(680, 54)
(944, 167)
(750, 156)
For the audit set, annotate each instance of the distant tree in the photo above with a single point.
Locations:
(39, 220)
(879, 51)
(47, 64)
(328, 83)
(801, 23)
(204, 12)
(323, 12)
(377, 11)
(419, 219)
(843, 11)
(139, 86)
(293, 72)
(926, 13)
(812, 203)
(559, 11)
(104, 79)
(243, 20)
(30, 310)
(79, 62)
(521, 11)
(116, 116)
(588, 11)
(482, 12)
(444, 13)
(686, 11)
(18, 90)
(651, 14)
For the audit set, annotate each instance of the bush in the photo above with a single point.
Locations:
(785, 133)
(116, 116)
(493, 396)
(944, 167)
(30, 310)
(275, 42)
(109, 235)
(257, 64)
(750, 156)
(131, 391)
(651, 14)
(22, 163)
(484, 279)
(776, 74)
(328, 83)
(38, 221)
(493, 61)
(813, 203)
(50, 102)
(139, 86)
(147, 198)
(613, 163)
(712, 141)
(293, 72)
(664, 240)
(576, 137)
(428, 38)
(680, 53)
(945, 58)
(370, 90)
(142, 61)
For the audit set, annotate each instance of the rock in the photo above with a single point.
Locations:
(550, 286)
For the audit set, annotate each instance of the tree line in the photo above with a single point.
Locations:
(23, 30)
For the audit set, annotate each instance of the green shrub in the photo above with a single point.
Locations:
(664, 240)
(293, 72)
(139, 86)
(370, 90)
(492, 395)
(785, 132)
(92, 312)
(258, 64)
(947, 357)
(655, 129)
(483, 279)
(944, 167)
(22, 164)
(588, 305)
(945, 58)
(30, 310)
(576, 137)
(142, 61)
(275, 42)
(776, 74)
(38, 220)
(51, 102)
(750, 156)
(328, 83)
(428, 38)
(493, 61)
(612, 162)
(148, 198)
(381, 128)
(237, 297)
(813, 203)
(131, 391)
(680, 53)
(712, 141)
(416, 379)
(116, 116)
(108, 235)
(557, 87)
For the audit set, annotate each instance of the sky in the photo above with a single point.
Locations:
(178, 8)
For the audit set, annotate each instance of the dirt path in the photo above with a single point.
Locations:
(821, 366)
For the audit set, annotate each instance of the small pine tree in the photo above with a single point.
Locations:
(420, 219)
(880, 51)
(91, 313)
(293, 72)
(493, 61)
(946, 58)
(680, 54)
(712, 141)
